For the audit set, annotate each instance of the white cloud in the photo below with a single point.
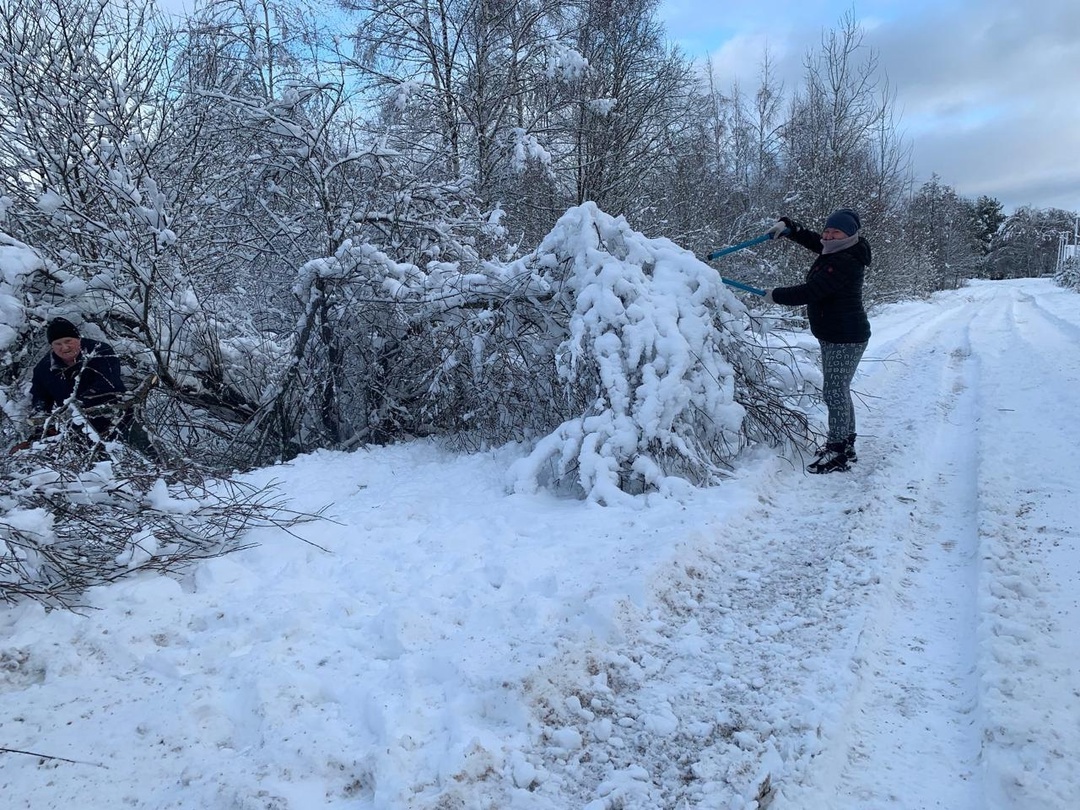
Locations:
(986, 88)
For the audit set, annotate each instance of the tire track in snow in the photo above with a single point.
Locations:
(909, 736)
(965, 694)
(1027, 523)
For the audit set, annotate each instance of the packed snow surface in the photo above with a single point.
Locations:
(901, 636)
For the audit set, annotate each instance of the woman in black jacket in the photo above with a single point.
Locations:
(832, 295)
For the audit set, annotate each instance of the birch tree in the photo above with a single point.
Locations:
(834, 123)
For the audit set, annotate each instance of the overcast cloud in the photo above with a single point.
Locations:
(988, 91)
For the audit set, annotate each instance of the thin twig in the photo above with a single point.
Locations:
(47, 756)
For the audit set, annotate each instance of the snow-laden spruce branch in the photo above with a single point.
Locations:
(659, 364)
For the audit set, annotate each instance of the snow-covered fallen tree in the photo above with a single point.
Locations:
(666, 373)
(622, 361)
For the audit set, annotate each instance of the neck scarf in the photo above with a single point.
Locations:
(834, 245)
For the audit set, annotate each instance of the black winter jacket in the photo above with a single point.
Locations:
(94, 378)
(832, 291)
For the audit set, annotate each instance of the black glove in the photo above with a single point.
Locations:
(792, 225)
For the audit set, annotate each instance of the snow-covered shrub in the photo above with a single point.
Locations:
(17, 263)
(659, 366)
(1068, 275)
(200, 366)
(373, 348)
(19, 350)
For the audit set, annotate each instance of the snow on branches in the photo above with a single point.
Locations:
(76, 513)
(655, 351)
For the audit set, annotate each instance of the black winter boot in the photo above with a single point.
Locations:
(832, 458)
(849, 449)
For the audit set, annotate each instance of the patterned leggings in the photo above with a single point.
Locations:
(838, 364)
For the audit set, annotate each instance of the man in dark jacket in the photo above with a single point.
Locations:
(78, 367)
(832, 295)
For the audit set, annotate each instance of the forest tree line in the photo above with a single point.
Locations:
(304, 222)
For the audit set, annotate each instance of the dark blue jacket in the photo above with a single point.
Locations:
(832, 291)
(94, 378)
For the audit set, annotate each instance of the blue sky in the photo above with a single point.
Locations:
(987, 91)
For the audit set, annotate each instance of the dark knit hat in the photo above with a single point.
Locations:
(60, 328)
(844, 219)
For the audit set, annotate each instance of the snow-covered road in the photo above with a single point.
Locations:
(904, 636)
(966, 692)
